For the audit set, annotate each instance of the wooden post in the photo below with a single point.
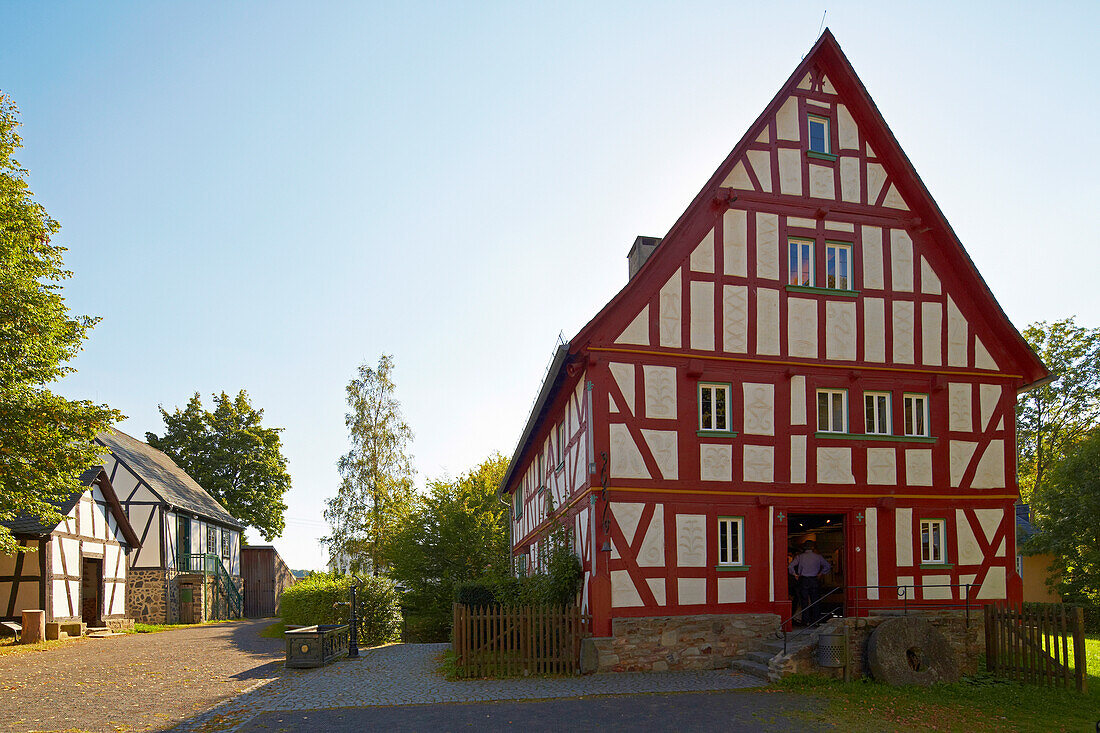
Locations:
(1078, 649)
(34, 627)
(990, 647)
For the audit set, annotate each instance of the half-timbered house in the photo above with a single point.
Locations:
(190, 555)
(808, 353)
(74, 570)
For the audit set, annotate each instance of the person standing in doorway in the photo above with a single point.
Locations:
(806, 569)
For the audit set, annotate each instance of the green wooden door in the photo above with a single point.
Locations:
(183, 543)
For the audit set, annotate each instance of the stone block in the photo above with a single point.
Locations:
(34, 626)
(53, 631)
(74, 628)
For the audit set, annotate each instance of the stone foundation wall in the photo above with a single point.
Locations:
(145, 596)
(677, 642)
(119, 625)
(966, 640)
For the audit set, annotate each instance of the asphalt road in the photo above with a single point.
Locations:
(743, 710)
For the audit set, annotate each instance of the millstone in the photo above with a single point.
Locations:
(910, 651)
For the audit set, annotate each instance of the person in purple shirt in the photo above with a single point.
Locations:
(806, 568)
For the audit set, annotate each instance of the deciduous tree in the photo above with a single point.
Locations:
(46, 441)
(231, 455)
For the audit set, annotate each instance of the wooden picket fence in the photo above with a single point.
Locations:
(1031, 644)
(504, 641)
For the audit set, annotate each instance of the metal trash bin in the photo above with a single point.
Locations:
(830, 650)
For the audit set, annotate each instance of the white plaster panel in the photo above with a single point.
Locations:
(623, 592)
(882, 469)
(759, 463)
(123, 484)
(901, 261)
(847, 131)
(994, 588)
(767, 246)
(761, 162)
(805, 83)
(790, 172)
(660, 392)
(767, 321)
(876, 176)
(918, 467)
(834, 466)
(71, 548)
(657, 588)
(903, 331)
(849, 180)
(990, 473)
(764, 136)
(702, 257)
(827, 86)
(662, 444)
(929, 281)
(671, 311)
(612, 405)
(759, 408)
(990, 520)
(867, 150)
(651, 553)
(966, 579)
(961, 451)
(802, 327)
(903, 538)
(627, 514)
(55, 554)
(715, 462)
(821, 182)
(932, 593)
(739, 178)
(956, 335)
(840, 226)
(61, 605)
(798, 400)
(626, 459)
(893, 199)
(798, 221)
(874, 329)
(735, 319)
(84, 516)
(691, 540)
(787, 125)
(702, 316)
(624, 378)
(691, 591)
(871, 243)
(982, 358)
(735, 242)
(798, 459)
(26, 598)
(731, 590)
(7, 565)
(960, 416)
(840, 330)
(931, 338)
(970, 552)
(870, 517)
(990, 395)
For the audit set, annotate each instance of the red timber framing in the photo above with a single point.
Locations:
(905, 316)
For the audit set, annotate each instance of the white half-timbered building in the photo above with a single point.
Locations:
(75, 569)
(184, 531)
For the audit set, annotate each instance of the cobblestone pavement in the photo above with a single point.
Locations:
(135, 682)
(407, 674)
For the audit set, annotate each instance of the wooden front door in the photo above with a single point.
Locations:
(183, 548)
(91, 591)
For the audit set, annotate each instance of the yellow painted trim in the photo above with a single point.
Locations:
(849, 367)
(812, 496)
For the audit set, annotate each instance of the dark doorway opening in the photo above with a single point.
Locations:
(826, 531)
(91, 590)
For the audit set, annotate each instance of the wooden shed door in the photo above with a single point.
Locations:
(91, 584)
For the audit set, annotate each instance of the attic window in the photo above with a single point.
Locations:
(819, 134)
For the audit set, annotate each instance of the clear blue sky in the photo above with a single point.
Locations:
(264, 195)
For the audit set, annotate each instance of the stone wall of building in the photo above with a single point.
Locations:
(661, 643)
(173, 602)
(146, 600)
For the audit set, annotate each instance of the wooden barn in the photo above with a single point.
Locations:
(808, 353)
(189, 565)
(76, 569)
(265, 577)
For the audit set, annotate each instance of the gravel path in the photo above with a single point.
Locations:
(135, 682)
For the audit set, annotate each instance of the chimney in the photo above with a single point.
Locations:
(640, 252)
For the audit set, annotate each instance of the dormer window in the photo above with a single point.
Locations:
(819, 134)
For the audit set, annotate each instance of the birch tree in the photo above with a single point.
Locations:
(376, 489)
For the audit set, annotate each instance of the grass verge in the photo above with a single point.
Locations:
(8, 645)
(274, 631)
(157, 628)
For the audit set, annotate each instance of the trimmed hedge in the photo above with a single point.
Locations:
(322, 599)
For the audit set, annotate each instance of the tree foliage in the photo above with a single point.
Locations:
(232, 455)
(1067, 512)
(324, 598)
(1051, 419)
(458, 531)
(46, 441)
(376, 490)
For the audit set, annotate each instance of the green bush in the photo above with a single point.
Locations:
(323, 599)
(476, 593)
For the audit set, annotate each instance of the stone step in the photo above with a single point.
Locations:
(754, 668)
(760, 657)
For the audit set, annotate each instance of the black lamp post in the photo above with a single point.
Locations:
(353, 640)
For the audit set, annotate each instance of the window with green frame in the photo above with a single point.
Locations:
(731, 541)
(714, 407)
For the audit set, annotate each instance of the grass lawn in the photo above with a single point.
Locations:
(274, 631)
(8, 645)
(156, 628)
(981, 703)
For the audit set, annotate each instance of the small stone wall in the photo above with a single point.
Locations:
(677, 642)
(145, 596)
(119, 625)
(967, 641)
